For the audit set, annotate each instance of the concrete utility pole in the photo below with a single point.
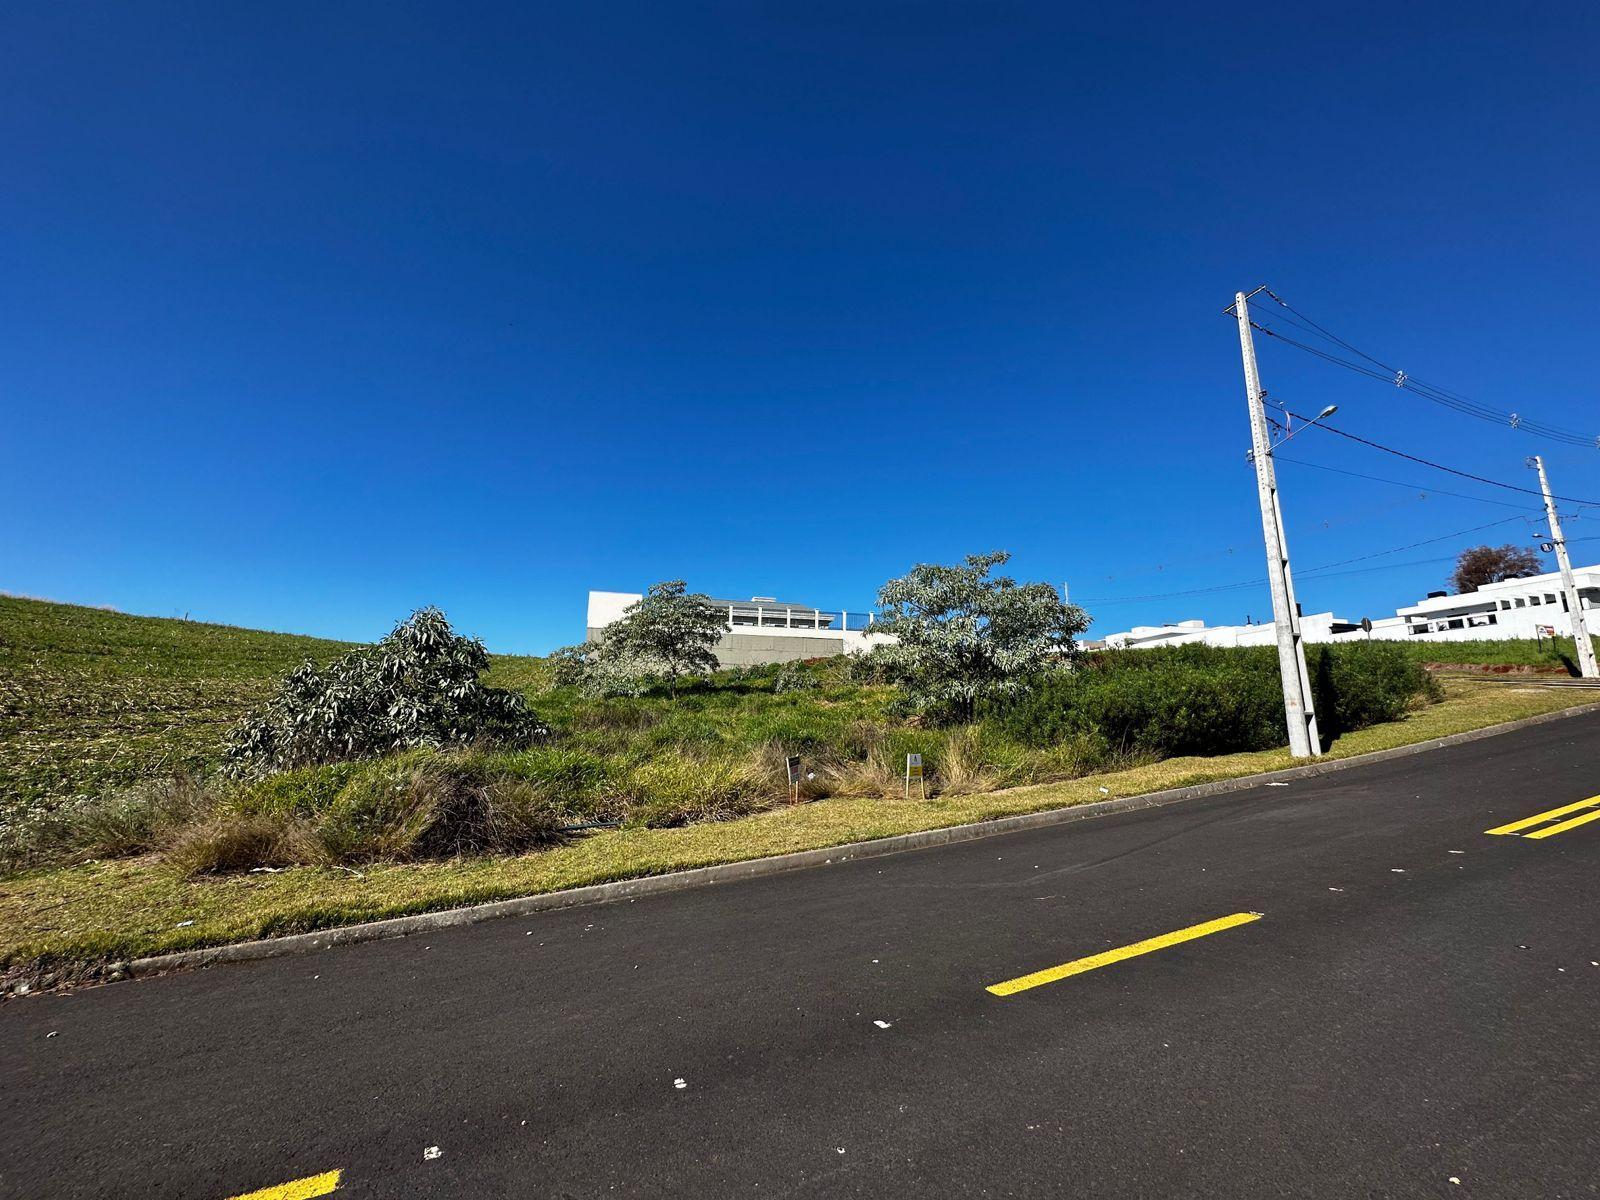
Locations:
(1580, 629)
(1305, 741)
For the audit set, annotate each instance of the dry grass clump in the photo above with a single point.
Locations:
(674, 787)
(960, 768)
(140, 818)
(877, 774)
(235, 841)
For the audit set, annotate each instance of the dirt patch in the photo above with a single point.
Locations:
(1495, 669)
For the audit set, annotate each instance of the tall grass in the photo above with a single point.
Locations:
(714, 753)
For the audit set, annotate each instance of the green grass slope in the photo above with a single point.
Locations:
(91, 699)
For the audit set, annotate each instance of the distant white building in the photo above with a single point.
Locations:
(1516, 608)
(762, 629)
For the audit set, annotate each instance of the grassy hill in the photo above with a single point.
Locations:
(91, 699)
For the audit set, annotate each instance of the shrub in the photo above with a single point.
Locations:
(1164, 705)
(795, 677)
(1208, 700)
(417, 687)
(1357, 684)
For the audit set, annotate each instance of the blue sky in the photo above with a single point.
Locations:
(312, 314)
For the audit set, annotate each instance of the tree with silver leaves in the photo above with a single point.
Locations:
(961, 636)
(669, 633)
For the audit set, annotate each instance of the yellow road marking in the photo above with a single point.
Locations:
(1540, 818)
(299, 1189)
(1079, 966)
(1565, 825)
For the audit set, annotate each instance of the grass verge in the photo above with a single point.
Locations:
(64, 919)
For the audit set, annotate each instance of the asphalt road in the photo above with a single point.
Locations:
(1418, 1004)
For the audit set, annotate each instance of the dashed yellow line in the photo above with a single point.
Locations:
(298, 1189)
(1078, 966)
(1540, 818)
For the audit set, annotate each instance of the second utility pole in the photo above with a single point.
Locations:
(1580, 631)
(1304, 739)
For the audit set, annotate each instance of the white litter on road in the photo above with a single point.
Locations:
(879, 1024)
(181, 924)
(1457, 851)
(679, 1084)
(1277, 785)
(1398, 870)
(431, 1153)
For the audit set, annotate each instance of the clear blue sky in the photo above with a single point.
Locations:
(312, 314)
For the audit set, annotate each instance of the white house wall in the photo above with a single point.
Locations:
(1468, 609)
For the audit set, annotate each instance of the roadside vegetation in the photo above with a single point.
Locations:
(327, 764)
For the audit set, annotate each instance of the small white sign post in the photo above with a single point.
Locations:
(914, 771)
(794, 778)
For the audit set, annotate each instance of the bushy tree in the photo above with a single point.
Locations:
(417, 687)
(961, 636)
(1491, 564)
(665, 635)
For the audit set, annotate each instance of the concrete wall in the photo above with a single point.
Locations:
(753, 649)
(750, 646)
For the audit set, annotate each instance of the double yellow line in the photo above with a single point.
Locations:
(1516, 827)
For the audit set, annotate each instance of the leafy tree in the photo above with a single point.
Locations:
(570, 664)
(668, 633)
(962, 636)
(1490, 564)
(417, 687)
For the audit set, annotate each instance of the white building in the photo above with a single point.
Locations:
(762, 629)
(1516, 608)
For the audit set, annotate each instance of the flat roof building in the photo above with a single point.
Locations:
(1514, 608)
(761, 629)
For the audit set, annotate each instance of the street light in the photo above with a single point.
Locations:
(1250, 454)
(1327, 412)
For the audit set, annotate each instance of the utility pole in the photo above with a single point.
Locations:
(1580, 630)
(1304, 739)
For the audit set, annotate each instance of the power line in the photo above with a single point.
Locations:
(1413, 545)
(1385, 373)
(1325, 571)
(1300, 462)
(1436, 466)
(1177, 565)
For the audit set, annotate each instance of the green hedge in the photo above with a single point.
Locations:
(1208, 700)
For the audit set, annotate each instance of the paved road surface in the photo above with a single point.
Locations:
(1417, 1004)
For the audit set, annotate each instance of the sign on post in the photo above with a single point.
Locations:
(914, 771)
(794, 777)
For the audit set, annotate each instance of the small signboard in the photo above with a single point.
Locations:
(793, 762)
(914, 771)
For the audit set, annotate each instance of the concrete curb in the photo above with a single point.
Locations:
(655, 885)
